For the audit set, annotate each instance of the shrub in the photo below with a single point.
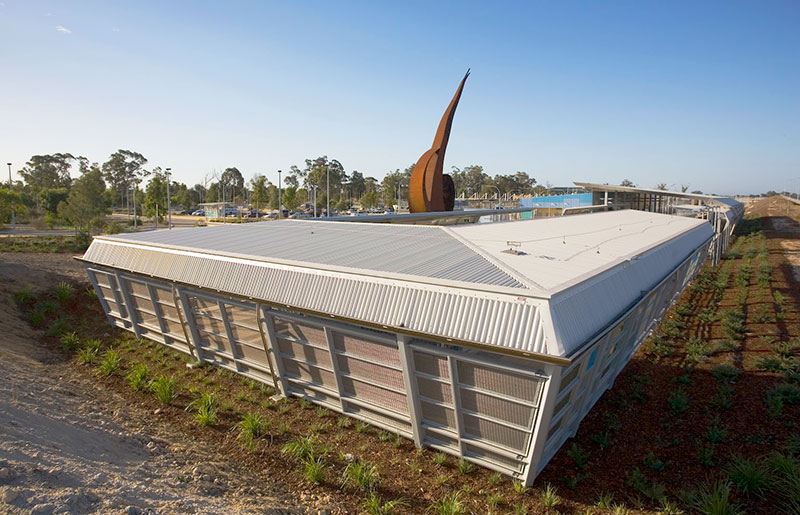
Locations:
(23, 296)
(70, 341)
(520, 487)
(495, 478)
(578, 455)
(252, 427)
(440, 459)
(601, 439)
(163, 388)
(678, 401)
(639, 482)
(748, 476)
(713, 500)
(650, 461)
(716, 432)
(604, 500)
(361, 427)
(374, 505)
(344, 422)
(58, 326)
(63, 291)
(787, 392)
(726, 373)
(137, 377)
(770, 363)
(705, 454)
(111, 362)
(361, 475)
(696, 350)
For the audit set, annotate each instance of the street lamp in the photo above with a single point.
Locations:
(315, 200)
(328, 195)
(169, 210)
(280, 207)
(13, 221)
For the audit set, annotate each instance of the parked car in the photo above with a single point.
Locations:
(199, 212)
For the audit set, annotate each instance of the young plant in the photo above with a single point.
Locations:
(344, 422)
(374, 505)
(137, 377)
(714, 499)
(748, 476)
(361, 427)
(495, 478)
(601, 439)
(464, 466)
(111, 362)
(678, 401)
(23, 296)
(650, 461)
(439, 459)
(493, 500)
(604, 501)
(252, 427)
(70, 341)
(301, 449)
(63, 291)
(579, 456)
(314, 470)
(716, 432)
(204, 408)
(520, 487)
(361, 475)
(449, 505)
(163, 388)
(87, 355)
(726, 373)
(550, 497)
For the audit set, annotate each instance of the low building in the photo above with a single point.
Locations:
(486, 341)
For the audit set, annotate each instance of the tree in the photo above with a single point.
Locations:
(230, 180)
(661, 186)
(260, 195)
(10, 201)
(123, 171)
(357, 184)
(628, 183)
(369, 200)
(289, 198)
(697, 192)
(272, 196)
(45, 172)
(316, 174)
(155, 195)
(213, 192)
(390, 187)
(87, 204)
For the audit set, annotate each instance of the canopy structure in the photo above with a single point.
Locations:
(488, 341)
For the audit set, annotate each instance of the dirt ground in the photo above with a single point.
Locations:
(65, 449)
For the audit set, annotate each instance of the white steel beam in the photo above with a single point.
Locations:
(542, 423)
(410, 383)
(271, 343)
(130, 308)
(187, 320)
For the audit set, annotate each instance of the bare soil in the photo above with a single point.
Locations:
(73, 440)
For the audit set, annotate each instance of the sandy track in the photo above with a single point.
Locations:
(68, 447)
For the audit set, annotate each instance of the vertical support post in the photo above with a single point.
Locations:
(335, 366)
(229, 333)
(157, 310)
(412, 390)
(265, 344)
(129, 305)
(456, 402)
(271, 342)
(542, 423)
(187, 320)
(99, 292)
(113, 283)
(182, 321)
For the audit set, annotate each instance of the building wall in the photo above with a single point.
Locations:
(479, 405)
(503, 412)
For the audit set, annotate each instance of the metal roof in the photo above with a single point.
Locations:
(422, 251)
(444, 282)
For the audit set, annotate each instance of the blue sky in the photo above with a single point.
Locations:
(698, 93)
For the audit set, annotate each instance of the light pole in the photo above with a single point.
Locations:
(328, 195)
(280, 207)
(169, 205)
(13, 214)
(315, 200)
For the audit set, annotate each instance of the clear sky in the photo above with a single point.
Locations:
(698, 93)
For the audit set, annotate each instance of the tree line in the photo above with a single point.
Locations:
(124, 181)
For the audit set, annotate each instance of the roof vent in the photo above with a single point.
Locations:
(513, 248)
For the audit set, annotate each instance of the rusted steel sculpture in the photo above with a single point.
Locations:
(430, 189)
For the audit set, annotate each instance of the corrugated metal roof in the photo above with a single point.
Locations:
(561, 251)
(451, 282)
(410, 250)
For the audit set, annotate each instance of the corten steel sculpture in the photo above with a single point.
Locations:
(430, 189)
